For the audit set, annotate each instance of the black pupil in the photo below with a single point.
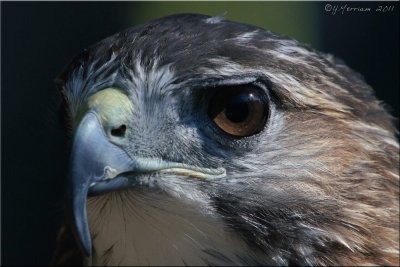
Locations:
(237, 108)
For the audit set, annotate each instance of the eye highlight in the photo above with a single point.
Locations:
(239, 111)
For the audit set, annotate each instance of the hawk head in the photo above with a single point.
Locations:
(201, 141)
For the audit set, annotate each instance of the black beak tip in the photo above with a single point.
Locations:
(87, 249)
(80, 223)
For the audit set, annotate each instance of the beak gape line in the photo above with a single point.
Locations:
(98, 166)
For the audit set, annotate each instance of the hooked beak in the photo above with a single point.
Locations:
(98, 166)
(94, 159)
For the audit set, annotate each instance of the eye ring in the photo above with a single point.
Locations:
(239, 110)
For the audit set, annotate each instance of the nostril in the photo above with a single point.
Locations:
(119, 132)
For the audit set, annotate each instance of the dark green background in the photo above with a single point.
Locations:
(39, 38)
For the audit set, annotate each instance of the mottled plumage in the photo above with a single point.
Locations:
(319, 185)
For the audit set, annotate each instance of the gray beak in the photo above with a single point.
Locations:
(96, 165)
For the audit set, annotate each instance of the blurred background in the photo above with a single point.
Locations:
(39, 38)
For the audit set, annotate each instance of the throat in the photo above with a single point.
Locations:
(147, 227)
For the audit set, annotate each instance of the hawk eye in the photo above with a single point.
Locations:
(239, 111)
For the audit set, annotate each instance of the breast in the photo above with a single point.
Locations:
(148, 227)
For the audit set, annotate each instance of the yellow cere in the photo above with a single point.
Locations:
(112, 107)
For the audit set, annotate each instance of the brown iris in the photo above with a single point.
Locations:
(239, 111)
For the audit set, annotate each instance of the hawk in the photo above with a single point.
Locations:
(201, 141)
